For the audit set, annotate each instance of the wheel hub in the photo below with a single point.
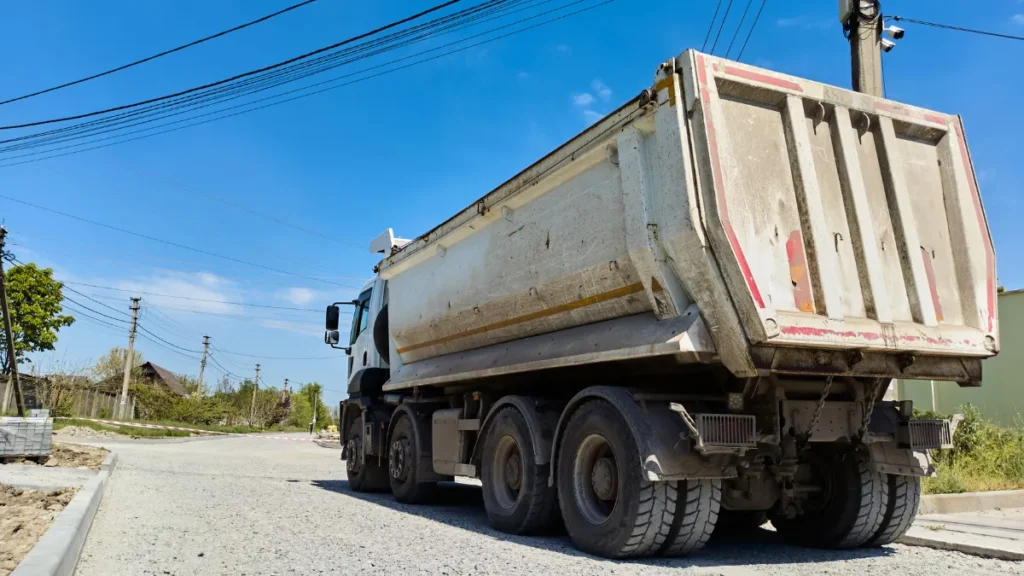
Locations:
(605, 479)
(353, 456)
(514, 472)
(397, 459)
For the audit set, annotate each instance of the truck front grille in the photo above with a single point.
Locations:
(931, 434)
(738, 430)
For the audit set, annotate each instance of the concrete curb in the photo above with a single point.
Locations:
(971, 502)
(959, 542)
(57, 552)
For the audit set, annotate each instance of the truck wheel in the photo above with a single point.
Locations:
(736, 523)
(697, 511)
(848, 509)
(368, 476)
(403, 460)
(516, 493)
(900, 510)
(609, 507)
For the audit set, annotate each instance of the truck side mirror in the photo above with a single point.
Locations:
(331, 337)
(333, 314)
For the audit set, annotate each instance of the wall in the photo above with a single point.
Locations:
(1001, 396)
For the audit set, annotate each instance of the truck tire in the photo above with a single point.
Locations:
(609, 507)
(737, 523)
(848, 510)
(403, 460)
(516, 494)
(696, 513)
(368, 476)
(900, 511)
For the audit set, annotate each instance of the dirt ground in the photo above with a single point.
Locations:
(69, 456)
(24, 517)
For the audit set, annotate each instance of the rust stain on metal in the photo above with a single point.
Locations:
(929, 271)
(568, 306)
(798, 272)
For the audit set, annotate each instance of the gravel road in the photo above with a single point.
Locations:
(254, 506)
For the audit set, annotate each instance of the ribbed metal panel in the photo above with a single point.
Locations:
(931, 434)
(727, 429)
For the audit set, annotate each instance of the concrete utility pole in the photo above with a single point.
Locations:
(866, 46)
(202, 363)
(316, 397)
(129, 361)
(12, 360)
(256, 386)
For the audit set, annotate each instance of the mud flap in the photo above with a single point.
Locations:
(889, 458)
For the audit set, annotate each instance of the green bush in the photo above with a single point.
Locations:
(984, 457)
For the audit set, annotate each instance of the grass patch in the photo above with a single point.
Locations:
(984, 457)
(122, 430)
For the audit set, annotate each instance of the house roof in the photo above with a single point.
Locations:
(165, 376)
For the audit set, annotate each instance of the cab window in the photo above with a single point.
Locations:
(360, 316)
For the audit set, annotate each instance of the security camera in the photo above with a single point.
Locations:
(895, 31)
(887, 45)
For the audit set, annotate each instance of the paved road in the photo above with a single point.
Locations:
(251, 506)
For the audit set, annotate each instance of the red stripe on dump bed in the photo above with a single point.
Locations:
(716, 170)
(763, 78)
(934, 118)
(990, 272)
(811, 332)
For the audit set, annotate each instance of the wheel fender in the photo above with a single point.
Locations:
(540, 424)
(656, 430)
(421, 425)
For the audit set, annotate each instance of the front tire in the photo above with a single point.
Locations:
(403, 463)
(368, 476)
(610, 509)
(848, 510)
(515, 488)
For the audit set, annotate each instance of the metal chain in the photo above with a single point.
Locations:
(869, 407)
(817, 411)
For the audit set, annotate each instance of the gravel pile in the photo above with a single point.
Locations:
(84, 432)
(256, 506)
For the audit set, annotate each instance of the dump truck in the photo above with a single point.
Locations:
(684, 320)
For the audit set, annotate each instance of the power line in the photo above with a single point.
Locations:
(82, 294)
(195, 299)
(168, 242)
(80, 305)
(711, 26)
(84, 315)
(182, 348)
(238, 76)
(738, 27)
(957, 28)
(492, 8)
(721, 26)
(161, 54)
(165, 347)
(751, 31)
(262, 357)
(270, 104)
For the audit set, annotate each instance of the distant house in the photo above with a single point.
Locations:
(154, 374)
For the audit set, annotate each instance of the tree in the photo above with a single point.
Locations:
(110, 366)
(224, 385)
(34, 299)
(302, 407)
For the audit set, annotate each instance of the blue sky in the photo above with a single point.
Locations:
(405, 150)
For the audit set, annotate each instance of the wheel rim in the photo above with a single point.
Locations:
(397, 461)
(595, 479)
(352, 461)
(507, 467)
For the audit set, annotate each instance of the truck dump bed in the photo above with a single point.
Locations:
(811, 227)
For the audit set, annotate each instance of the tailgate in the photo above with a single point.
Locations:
(840, 220)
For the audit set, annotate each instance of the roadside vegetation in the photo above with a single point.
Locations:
(984, 457)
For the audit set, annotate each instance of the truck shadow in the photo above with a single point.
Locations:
(461, 506)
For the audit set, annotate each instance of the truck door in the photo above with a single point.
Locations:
(364, 353)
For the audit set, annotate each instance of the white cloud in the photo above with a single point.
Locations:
(602, 90)
(1018, 19)
(583, 100)
(523, 75)
(805, 23)
(307, 329)
(298, 296)
(196, 291)
(590, 116)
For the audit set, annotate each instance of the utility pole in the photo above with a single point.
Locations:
(316, 397)
(256, 386)
(12, 360)
(202, 363)
(865, 25)
(129, 360)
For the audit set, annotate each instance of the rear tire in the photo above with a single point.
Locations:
(403, 462)
(610, 509)
(369, 476)
(515, 488)
(849, 509)
(696, 515)
(900, 511)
